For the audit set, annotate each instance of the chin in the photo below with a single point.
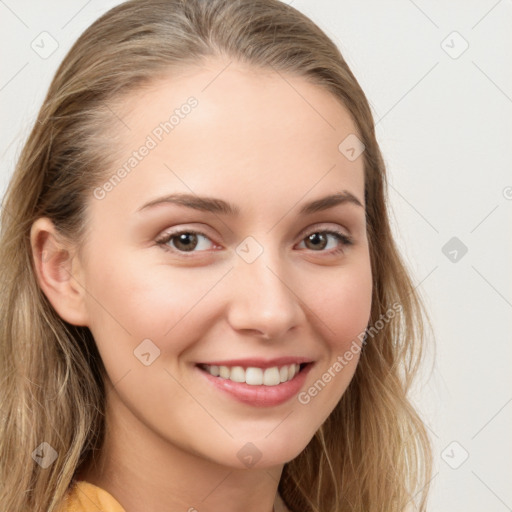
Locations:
(262, 453)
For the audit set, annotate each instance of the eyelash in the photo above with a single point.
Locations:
(341, 237)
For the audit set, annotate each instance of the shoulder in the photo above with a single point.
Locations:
(83, 496)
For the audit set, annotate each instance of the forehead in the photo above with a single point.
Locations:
(251, 134)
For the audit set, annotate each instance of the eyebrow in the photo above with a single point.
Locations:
(219, 206)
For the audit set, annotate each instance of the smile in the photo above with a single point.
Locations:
(254, 376)
(257, 382)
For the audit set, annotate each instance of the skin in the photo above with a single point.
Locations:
(253, 140)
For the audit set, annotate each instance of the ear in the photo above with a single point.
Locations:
(58, 272)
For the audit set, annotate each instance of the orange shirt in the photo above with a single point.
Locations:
(86, 497)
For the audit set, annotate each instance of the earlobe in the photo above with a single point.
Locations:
(58, 272)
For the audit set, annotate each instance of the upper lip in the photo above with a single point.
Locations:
(259, 362)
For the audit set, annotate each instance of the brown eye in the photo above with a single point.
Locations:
(183, 241)
(316, 241)
(319, 240)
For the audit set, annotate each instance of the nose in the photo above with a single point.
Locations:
(263, 298)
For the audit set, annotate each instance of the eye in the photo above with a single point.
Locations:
(183, 241)
(188, 240)
(319, 240)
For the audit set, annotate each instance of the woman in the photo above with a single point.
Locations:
(203, 305)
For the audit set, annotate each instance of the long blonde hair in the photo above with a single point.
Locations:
(372, 453)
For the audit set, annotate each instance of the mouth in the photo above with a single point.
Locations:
(254, 375)
(257, 382)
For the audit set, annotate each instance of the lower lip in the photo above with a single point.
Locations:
(260, 396)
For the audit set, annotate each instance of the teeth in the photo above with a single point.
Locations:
(255, 376)
(271, 376)
(237, 374)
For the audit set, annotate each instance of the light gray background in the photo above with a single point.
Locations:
(444, 122)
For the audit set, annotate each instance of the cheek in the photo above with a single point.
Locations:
(343, 312)
(342, 304)
(133, 301)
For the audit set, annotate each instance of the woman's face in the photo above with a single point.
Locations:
(237, 271)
